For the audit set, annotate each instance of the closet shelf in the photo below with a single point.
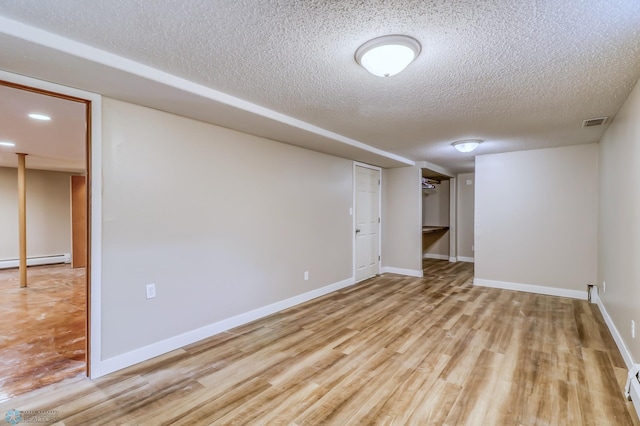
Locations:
(430, 229)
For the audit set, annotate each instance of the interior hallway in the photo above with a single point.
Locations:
(42, 332)
(392, 350)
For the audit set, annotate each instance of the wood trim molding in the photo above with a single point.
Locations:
(42, 91)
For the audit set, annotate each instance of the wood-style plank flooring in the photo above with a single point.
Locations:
(391, 350)
(42, 328)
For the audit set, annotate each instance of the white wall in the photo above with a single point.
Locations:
(619, 220)
(465, 216)
(222, 222)
(402, 220)
(536, 217)
(48, 213)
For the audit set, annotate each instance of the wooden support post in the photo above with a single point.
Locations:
(22, 217)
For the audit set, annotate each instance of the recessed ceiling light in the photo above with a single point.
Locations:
(40, 117)
(7, 143)
(388, 55)
(466, 145)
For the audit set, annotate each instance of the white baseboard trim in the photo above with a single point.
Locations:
(617, 337)
(435, 256)
(136, 356)
(36, 261)
(529, 288)
(635, 395)
(466, 259)
(400, 271)
(453, 259)
(624, 350)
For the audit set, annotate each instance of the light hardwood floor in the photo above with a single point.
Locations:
(391, 350)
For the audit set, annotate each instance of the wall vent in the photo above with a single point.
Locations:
(598, 121)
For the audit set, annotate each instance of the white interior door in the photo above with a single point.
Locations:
(367, 186)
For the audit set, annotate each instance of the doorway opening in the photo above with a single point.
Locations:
(45, 331)
(436, 216)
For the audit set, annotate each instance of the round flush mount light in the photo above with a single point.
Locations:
(42, 117)
(388, 55)
(466, 145)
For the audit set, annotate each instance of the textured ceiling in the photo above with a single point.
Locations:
(519, 74)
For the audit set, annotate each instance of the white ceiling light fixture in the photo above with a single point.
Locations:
(7, 143)
(388, 55)
(466, 145)
(42, 117)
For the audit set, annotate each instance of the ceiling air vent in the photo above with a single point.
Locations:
(590, 122)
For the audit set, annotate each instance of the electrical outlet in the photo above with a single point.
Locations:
(633, 329)
(604, 287)
(151, 291)
(473, 248)
(306, 275)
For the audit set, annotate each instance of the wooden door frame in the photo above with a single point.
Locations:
(93, 140)
(353, 216)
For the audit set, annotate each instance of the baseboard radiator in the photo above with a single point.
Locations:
(632, 389)
(35, 261)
